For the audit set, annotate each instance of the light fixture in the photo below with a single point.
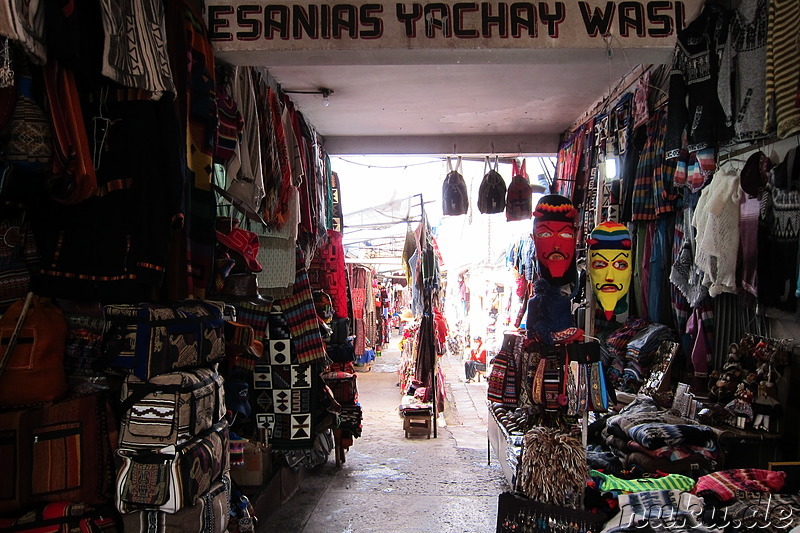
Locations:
(324, 91)
(611, 168)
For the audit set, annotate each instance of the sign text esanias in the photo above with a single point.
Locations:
(255, 25)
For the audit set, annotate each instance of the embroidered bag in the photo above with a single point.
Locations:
(210, 514)
(174, 477)
(62, 451)
(519, 198)
(455, 200)
(86, 372)
(170, 408)
(492, 190)
(29, 145)
(151, 339)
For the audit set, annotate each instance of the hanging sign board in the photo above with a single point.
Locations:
(358, 25)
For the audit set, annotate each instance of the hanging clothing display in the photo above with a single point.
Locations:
(778, 237)
(276, 251)
(192, 62)
(363, 307)
(135, 48)
(328, 272)
(244, 171)
(783, 62)
(114, 247)
(693, 101)
(716, 220)
(742, 84)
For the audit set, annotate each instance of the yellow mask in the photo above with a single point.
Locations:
(610, 264)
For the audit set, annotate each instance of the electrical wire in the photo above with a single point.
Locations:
(388, 167)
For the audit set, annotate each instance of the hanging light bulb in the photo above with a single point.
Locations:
(325, 94)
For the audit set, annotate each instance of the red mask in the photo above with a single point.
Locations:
(555, 245)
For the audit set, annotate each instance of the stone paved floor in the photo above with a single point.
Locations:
(392, 484)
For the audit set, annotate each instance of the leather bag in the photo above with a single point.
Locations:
(33, 335)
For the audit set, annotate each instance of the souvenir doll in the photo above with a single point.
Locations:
(766, 406)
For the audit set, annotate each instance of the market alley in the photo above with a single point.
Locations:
(389, 483)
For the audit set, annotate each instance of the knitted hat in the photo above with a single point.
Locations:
(555, 207)
(244, 242)
(755, 173)
(610, 236)
(554, 237)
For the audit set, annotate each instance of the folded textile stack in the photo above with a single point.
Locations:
(722, 487)
(671, 511)
(629, 352)
(615, 346)
(651, 438)
(769, 512)
(640, 353)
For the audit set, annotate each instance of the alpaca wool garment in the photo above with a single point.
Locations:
(723, 485)
(554, 468)
(609, 483)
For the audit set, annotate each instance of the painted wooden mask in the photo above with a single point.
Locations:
(554, 237)
(610, 264)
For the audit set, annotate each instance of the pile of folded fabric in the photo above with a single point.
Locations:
(748, 499)
(673, 511)
(722, 487)
(629, 352)
(644, 435)
(640, 354)
(615, 346)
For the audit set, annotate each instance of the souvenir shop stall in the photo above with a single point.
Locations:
(424, 338)
(365, 317)
(652, 385)
(176, 319)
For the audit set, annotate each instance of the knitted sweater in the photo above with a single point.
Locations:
(693, 101)
(741, 85)
(717, 223)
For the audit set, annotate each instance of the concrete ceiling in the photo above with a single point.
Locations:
(484, 101)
